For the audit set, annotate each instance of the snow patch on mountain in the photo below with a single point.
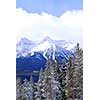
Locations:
(47, 46)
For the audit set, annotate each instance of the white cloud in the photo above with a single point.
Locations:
(36, 26)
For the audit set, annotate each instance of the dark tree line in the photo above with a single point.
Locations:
(56, 82)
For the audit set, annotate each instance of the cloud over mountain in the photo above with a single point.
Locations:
(36, 26)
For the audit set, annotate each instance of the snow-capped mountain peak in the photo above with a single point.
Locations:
(23, 46)
(47, 46)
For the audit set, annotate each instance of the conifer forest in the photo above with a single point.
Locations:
(56, 82)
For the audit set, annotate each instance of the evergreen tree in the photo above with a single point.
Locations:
(27, 91)
(56, 70)
(31, 79)
(33, 86)
(47, 81)
(51, 85)
(78, 74)
(62, 79)
(69, 80)
(18, 89)
(56, 76)
(40, 93)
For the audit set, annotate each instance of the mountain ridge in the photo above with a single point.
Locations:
(44, 45)
(32, 56)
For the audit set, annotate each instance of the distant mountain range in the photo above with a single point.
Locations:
(25, 47)
(31, 56)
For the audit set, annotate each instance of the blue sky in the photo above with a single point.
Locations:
(54, 7)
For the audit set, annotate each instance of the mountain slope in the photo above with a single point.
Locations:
(23, 46)
(47, 46)
(32, 56)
